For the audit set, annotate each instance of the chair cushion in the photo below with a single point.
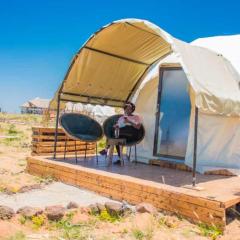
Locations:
(81, 127)
(109, 130)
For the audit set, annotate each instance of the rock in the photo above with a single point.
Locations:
(72, 205)
(127, 209)
(29, 212)
(114, 208)
(80, 218)
(55, 213)
(100, 207)
(146, 207)
(6, 212)
(8, 191)
(84, 210)
(171, 221)
(29, 188)
(94, 209)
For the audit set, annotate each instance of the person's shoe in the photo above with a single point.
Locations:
(117, 162)
(103, 152)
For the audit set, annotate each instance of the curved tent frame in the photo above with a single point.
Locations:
(93, 75)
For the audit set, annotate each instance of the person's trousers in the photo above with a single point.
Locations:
(129, 133)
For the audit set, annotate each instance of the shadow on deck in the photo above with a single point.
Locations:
(173, 177)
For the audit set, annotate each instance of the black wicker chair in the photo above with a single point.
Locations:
(131, 142)
(81, 127)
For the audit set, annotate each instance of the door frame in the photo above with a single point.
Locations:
(162, 68)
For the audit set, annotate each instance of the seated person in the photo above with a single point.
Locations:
(126, 127)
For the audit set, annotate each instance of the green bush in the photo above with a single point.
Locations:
(138, 234)
(210, 231)
(38, 221)
(105, 216)
(22, 219)
(15, 137)
(71, 231)
(12, 130)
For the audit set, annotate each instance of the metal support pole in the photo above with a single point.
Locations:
(56, 127)
(135, 147)
(65, 148)
(76, 151)
(129, 154)
(97, 153)
(195, 148)
(85, 155)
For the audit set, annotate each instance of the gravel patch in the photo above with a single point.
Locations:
(56, 193)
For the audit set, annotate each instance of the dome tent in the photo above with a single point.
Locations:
(112, 64)
(228, 46)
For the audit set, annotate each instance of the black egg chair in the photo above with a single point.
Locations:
(131, 141)
(81, 127)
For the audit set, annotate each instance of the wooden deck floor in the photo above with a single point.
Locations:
(163, 187)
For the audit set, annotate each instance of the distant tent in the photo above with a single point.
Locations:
(35, 106)
(174, 84)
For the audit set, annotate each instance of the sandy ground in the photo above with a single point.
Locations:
(12, 170)
(141, 226)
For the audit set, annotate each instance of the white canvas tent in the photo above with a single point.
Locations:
(228, 46)
(112, 65)
(218, 135)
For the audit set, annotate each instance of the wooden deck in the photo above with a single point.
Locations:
(163, 187)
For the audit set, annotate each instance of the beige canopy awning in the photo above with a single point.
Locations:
(109, 67)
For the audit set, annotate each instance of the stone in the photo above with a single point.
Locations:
(29, 188)
(6, 212)
(72, 205)
(127, 209)
(94, 209)
(101, 207)
(29, 212)
(146, 207)
(84, 210)
(81, 218)
(114, 208)
(171, 221)
(55, 213)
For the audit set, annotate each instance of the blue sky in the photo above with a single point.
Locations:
(38, 38)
